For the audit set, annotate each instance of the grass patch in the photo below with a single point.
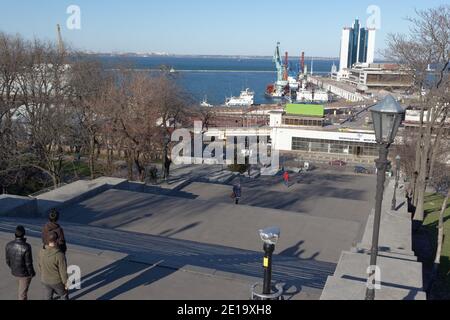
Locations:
(433, 205)
(80, 170)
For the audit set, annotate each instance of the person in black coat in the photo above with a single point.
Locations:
(19, 259)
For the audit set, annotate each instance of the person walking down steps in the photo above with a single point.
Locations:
(286, 178)
(237, 193)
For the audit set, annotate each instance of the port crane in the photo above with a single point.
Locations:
(280, 88)
(278, 63)
(60, 41)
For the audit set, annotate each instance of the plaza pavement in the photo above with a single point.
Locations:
(194, 243)
(125, 265)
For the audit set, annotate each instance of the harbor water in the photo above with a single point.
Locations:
(216, 78)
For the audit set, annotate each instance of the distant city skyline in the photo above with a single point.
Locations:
(200, 27)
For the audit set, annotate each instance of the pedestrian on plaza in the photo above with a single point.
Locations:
(237, 192)
(19, 259)
(53, 267)
(53, 226)
(286, 178)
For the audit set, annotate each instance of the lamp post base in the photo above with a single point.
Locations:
(370, 294)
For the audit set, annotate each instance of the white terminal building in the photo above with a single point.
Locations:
(303, 130)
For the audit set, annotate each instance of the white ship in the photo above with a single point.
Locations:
(205, 103)
(246, 99)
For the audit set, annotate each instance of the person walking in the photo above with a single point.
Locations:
(19, 259)
(53, 226)
(237, 192)
(286, 178)
(53, 267)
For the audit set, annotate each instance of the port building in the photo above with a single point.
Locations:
(357, 46)
(307, 131)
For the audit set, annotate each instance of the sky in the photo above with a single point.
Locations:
(208, 27)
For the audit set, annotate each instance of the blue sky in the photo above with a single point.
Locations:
(235, 27)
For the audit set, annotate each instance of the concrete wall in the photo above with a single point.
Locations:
(16, 206)
(400, 273)
(58, 198)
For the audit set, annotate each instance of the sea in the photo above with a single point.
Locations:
(217, 78)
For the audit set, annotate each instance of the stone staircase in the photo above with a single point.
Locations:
(401, 274)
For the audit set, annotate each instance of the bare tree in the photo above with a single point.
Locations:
(441, 182)
(427, 44)
(43, 86)
(12, 60)
(88, 84)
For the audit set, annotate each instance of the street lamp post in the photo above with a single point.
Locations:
(397, 177)
(165, 164)
(387, 117)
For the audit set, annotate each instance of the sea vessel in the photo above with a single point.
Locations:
(245, 99)
(205, 103)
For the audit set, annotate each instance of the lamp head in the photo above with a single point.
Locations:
(387, 117)
(270, 235)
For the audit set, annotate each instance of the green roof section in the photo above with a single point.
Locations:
(308, 110)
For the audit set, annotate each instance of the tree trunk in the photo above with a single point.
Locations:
(437, 144)
(440, 239)
(109, 161)
(423, 170)
(129, 165)
(55, 182)
(418, 154)
(139, 168)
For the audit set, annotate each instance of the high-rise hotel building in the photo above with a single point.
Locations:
(357, 46)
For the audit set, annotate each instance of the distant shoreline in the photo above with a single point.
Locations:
(134, 55)
(207, 71)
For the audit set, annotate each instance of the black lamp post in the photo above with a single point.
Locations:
(387, 117)
(165, 160)
(397, 177)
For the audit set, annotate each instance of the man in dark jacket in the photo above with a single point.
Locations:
(52, 264)
(20, 259)
(53, 226)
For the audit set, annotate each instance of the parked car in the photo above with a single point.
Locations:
(360, 169)
(337, 163)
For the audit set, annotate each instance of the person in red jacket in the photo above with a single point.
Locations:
(286, 178)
